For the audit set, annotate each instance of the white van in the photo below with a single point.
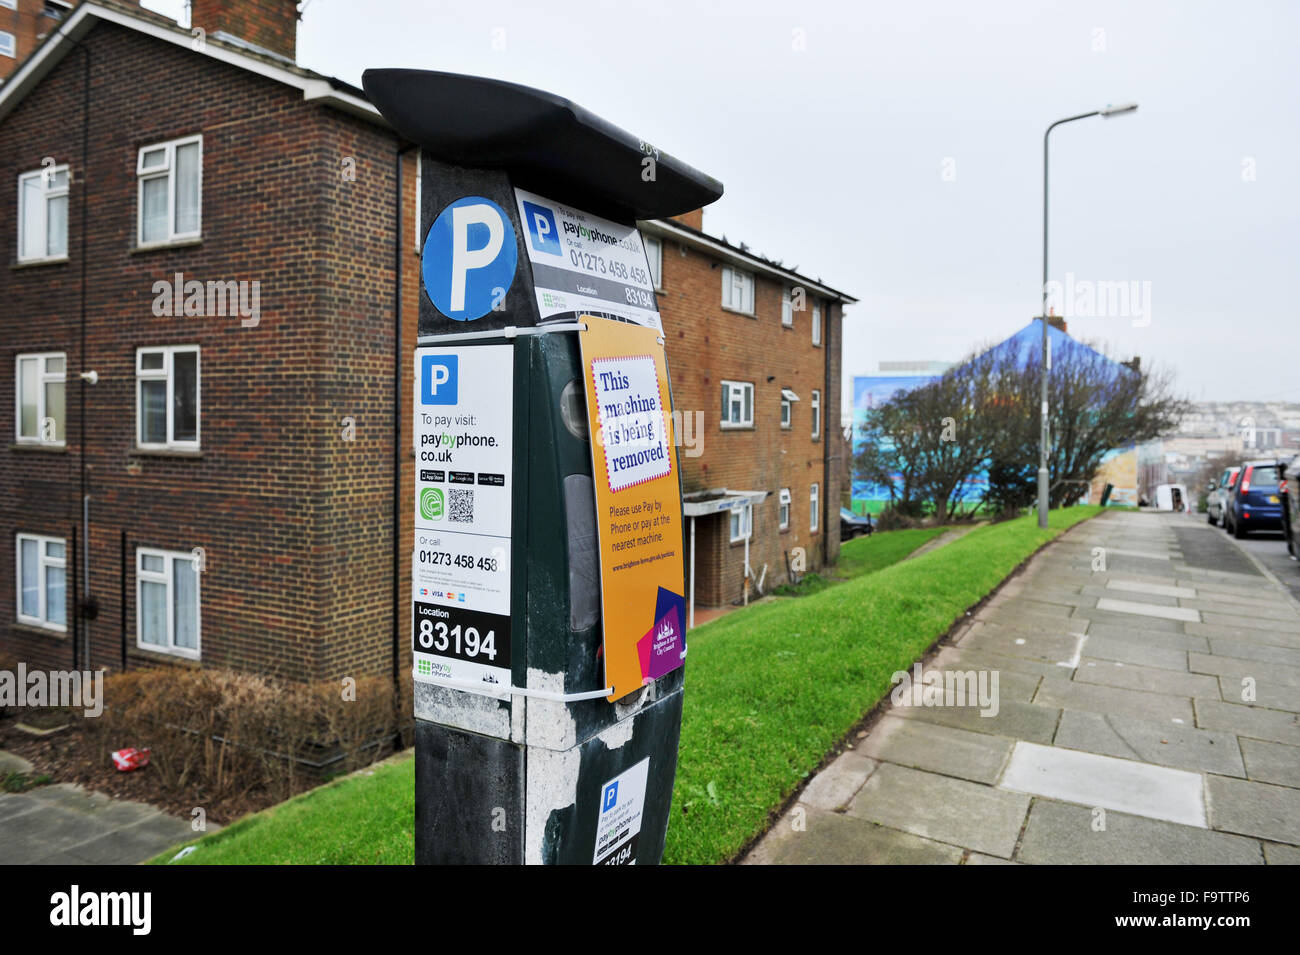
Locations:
(1171, 497)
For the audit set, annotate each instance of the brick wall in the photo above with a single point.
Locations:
(707, 344)
(295, 522)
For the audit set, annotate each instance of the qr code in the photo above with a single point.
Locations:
(460, 505)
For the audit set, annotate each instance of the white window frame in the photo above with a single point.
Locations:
(44, 563)
(46, 377)
(787, 308)
(816, 403)
(11, 48)
(817, 324)
(736, 391)
(168, 578)
(738, 282)
(742, 527)
(143, 374)
(783, 508)
(787, 410)
(168, 170)
(47, 176)
(814, 506)
(655, 260)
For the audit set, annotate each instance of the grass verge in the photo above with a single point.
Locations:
(356, 820)
(769, 693)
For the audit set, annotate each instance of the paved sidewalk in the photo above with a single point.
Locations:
(67, 825)
(1148, 713)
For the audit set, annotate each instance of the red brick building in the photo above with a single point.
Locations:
(754, 352)
(207, 350)
(211, 444)
(24, 24)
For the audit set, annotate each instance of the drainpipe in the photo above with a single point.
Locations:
(85, 372)
(398, 364)
(825, 432)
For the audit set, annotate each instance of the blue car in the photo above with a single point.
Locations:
(1255, 504)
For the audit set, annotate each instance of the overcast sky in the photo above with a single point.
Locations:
(898, 154)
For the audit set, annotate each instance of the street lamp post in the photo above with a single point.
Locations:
(1105, 112)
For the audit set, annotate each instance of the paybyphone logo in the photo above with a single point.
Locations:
(438, 380)
(431, 503)
(611, 797)
(541, 228)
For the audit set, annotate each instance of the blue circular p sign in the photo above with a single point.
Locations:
(469, 258)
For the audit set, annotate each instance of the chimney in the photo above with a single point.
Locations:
(694, 219)
(1056, 321)
(270, 24)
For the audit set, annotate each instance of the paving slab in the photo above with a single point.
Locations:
(962, 658)
(1114, 618)
(1124, 737)
(1014, 720)
(1254, 809)
(1042, 647)
(1234, 667)
(1140, 609)
(1129, 651)
(1151, 679)
(830, 838)
(1272, 762)
(1272, 696)
(1061, 834)
(1259, 610)
(1109, 699)
(1151, 638)
(979, 858)
(1249, 650)
(939, 749)
(835, 785)
(1250, 623)
(947, 810)
(1277, 854)
(1091, 780)
(1155, 590)
(1274, 638)
(1255, 722)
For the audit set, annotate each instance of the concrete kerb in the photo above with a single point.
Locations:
(864, 726)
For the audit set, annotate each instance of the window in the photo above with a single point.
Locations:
(787, 308)
(817, 414)
(7, 44)
(814, 493)
(43, 214)
(56, 9)
(654, 254)
(167, 397)
(788, 398)
(737, 290)
(42, 581)
(742, 522)
(171, 181)
(38, 401)
(167, 602)
(817, 325)
(785, 508)
(737, 404)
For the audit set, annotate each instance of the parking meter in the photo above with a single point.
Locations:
(547, 584)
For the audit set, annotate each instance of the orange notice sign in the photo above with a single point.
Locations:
(638, 503)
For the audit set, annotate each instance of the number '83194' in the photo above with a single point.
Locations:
(459, 641)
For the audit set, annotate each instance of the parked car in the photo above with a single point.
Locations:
(1289, 488)
(1256, 502)
(854, 525)
(1218, 496)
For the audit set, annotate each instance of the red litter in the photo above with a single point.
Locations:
(131, 758)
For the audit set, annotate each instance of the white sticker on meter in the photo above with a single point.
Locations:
(618, 825)
(460, 566)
